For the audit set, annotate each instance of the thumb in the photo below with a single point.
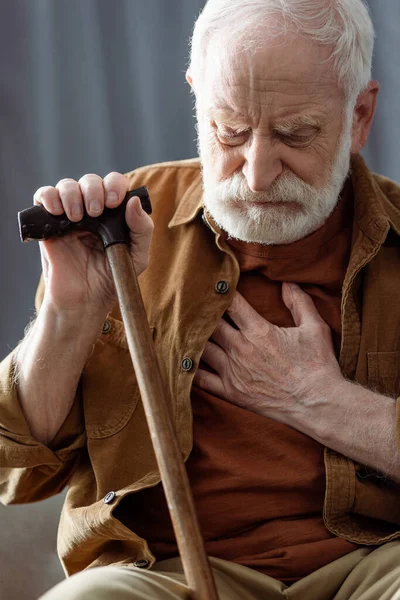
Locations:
(300, 305)
(141, 230)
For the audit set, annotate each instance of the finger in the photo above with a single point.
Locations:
(300, 305)
(141, 226)
(92, 193)
(115, 188)
(71, 198)
(209, 382)
(225, 335)
(138, 221)
(49, 197)
(215, 357)
(242, 313)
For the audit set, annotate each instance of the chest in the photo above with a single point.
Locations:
(194, 289)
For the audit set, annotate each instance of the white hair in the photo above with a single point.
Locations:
(344, 25)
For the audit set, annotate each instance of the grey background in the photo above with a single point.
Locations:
(95, 86)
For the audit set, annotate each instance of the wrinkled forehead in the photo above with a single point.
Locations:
(288, 70)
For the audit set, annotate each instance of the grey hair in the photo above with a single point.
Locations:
(345, 25)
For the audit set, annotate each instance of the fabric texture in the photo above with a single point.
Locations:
(105, 446)
(258, 485)
(365, 574)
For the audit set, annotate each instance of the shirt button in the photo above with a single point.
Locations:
(108, 498)
(106, 327)
(141, 564)
(187, 364)
(222, 287)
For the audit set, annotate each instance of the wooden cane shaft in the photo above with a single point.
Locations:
(172, 470)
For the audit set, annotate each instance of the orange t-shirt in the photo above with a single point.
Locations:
(259, 485)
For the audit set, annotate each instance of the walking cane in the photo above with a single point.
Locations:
(37, 224)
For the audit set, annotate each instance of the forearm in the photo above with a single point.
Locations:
(49, 363)
(354, 421)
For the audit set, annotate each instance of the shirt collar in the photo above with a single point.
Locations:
(373, 209)
(190, 204)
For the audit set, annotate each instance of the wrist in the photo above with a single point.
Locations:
(72, 322)
(318, 404)
(56, 337)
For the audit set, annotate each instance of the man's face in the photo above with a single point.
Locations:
(273, 140)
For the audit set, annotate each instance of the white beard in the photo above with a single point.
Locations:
(304, 208)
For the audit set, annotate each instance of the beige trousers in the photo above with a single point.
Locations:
(365, 574)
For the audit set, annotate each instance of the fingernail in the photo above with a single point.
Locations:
(111, 198)
(57, 207)
(76, 210)
(95, 206)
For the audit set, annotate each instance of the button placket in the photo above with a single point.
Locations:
(221, 287)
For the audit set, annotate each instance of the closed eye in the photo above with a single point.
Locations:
(296, 140)
(231, 137)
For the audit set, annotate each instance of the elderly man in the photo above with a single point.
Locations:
(271, 292)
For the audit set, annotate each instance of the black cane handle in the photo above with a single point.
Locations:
(36, 223)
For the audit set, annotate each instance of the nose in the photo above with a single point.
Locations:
(262, 165)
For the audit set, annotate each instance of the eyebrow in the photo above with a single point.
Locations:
(285, 127)
(290, 125)
(228, 116)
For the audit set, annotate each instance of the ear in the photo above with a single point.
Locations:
(189, 79)
(363, 116)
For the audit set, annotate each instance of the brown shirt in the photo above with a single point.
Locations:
(104, 445)
(257, 506)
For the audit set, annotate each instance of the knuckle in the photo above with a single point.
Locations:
(115, 182)
(143, 230)
(319, 328)
(43, 193)
(90, 179)
(325, 327)
(92, 190)
(90, 176)
(302, 305)
(69, 193)
(150, 225)
(67, 181)
(115, 175)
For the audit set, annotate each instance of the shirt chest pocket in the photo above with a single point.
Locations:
(384, 372)
(109, 387)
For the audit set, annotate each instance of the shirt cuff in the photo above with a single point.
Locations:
(18, 448)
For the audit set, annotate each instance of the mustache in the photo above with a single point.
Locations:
(287, 189)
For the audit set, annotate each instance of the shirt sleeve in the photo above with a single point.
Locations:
(29, 470)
